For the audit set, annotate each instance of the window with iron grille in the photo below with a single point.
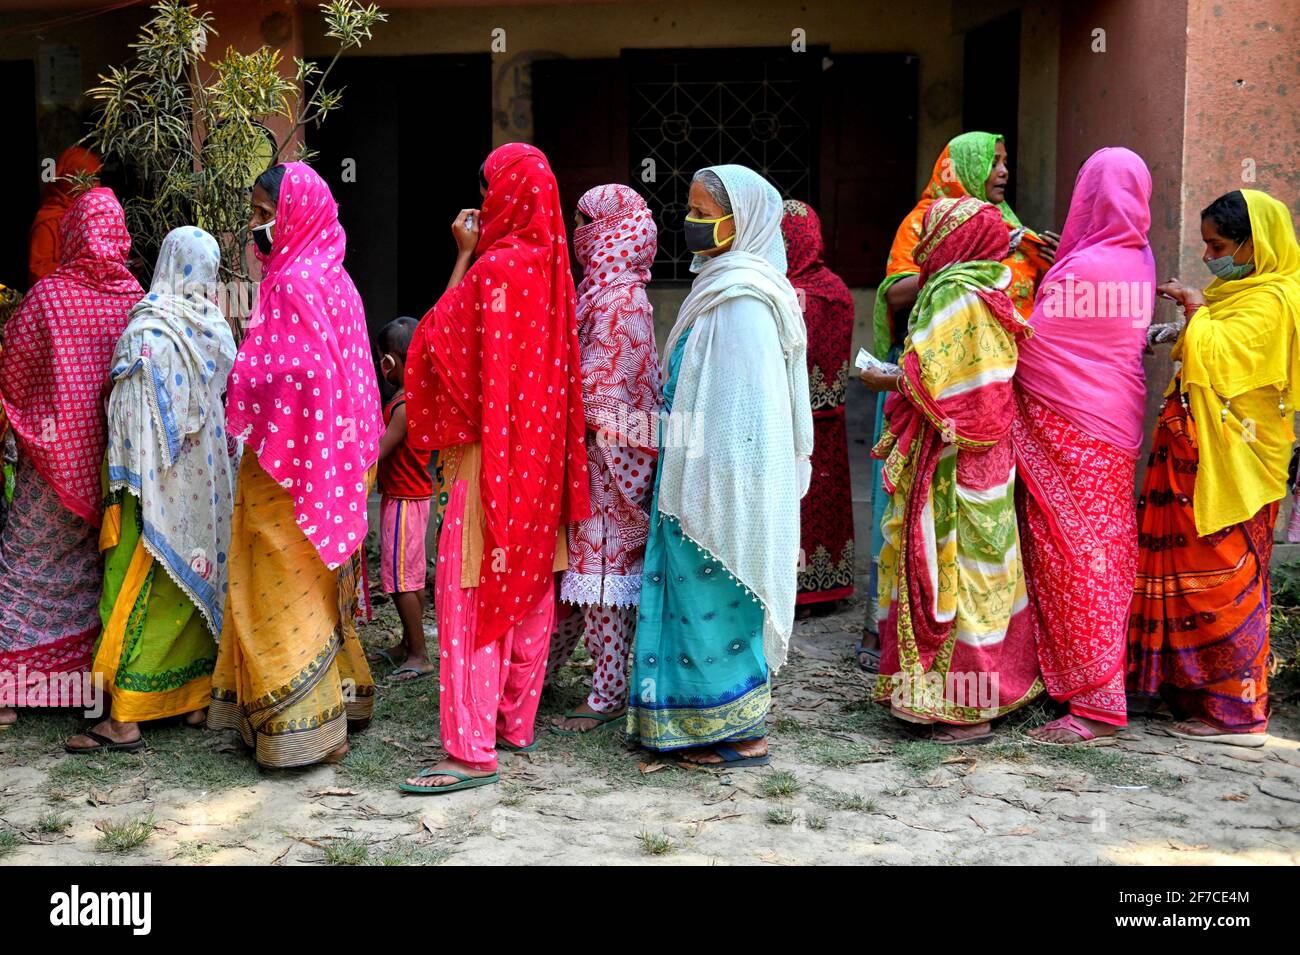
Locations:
(693, 108)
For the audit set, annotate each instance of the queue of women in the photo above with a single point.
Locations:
(188, 517)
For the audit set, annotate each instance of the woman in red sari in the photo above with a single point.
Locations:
(494, 383)
(1080, 399)
(956, 631)
(826, 513)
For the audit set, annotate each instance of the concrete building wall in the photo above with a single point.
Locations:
(1242, 115)
(596, 30)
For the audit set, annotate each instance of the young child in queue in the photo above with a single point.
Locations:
(405, 492)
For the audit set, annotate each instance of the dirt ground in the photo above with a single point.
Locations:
(846, 786)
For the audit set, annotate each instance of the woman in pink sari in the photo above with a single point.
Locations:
(1080, 395)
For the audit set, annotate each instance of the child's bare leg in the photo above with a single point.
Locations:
(410, 608)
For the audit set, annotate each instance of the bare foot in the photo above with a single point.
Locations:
(117, 732)
(196, 717)
(335, 755)
(577, 724)
(437, 780)
(1055, 732)
(8, 717)
(956, 735)
(708, 756)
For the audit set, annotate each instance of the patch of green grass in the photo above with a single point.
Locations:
(816, 823)
(53, 822)
(1108, 766)
(195, 851)
(921, 756)
(101, 771)
(405, 715)
(406, 854)
(346, 852)
(1008, 749)
(845, 801)
(781, 816)
(865, 717)
(779, 785)
(605, 754)
(9, 842)
(839, 754)
(655, 843)
(125, 836)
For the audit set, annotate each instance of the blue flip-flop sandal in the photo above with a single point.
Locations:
(731, 759)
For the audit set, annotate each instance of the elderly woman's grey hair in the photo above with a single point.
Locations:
(714, 187)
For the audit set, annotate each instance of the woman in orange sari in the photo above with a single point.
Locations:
(44, 246)
(972, 164)
(1199, 622)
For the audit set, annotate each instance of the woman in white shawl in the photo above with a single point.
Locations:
(170, 487)
(718, 586)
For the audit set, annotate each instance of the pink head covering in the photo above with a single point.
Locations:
(1084, 360)
(59, 346)
(303, 394)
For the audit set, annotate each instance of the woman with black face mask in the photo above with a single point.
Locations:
(718, 585)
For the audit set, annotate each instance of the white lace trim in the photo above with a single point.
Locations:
(597, 590)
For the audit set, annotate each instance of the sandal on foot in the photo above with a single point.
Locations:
(603, 721)
(393, 680)
(980, 740)
(1250, 740)
(732, 758)
(510, 747)
(466, 782)
(384, 656)
(872, 662)
(1068, 722)
(104, 744)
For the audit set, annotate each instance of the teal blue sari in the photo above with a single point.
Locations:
(699, 676)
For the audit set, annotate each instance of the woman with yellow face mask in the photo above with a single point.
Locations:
(1199, 624)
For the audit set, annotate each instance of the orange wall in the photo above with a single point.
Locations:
(1242, 112)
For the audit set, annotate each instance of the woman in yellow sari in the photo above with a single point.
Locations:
(170, 483)
(1199, 624)
(291, 675)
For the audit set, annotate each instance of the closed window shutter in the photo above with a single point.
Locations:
(868, 161)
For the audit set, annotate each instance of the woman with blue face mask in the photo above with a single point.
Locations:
(1199, 623)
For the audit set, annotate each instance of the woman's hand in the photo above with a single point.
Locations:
(878, 380)
(1189, 298)
(1050, 242)
(465, 230)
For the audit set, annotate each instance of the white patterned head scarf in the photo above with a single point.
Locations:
(167, 441)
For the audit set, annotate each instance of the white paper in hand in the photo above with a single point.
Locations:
(869, 362)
